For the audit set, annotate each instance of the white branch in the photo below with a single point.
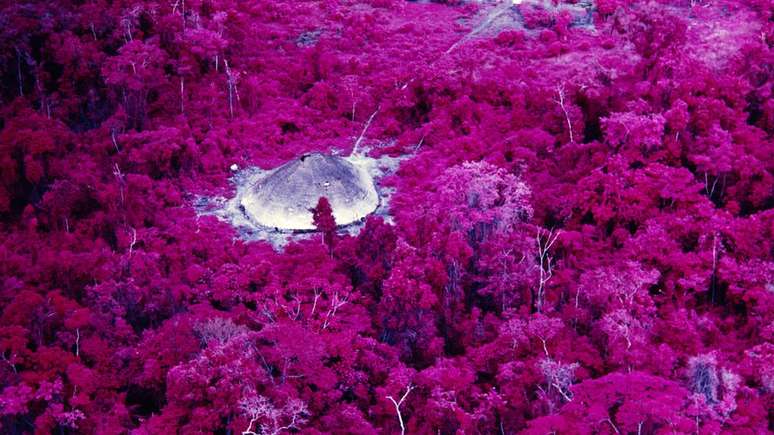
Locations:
(182, 95)
(419, 144)
(316, 297)
(233, 91)
(398, 405)
(365, 129)
(561, 92)
(336, 303)
(546, 266)
(561, 391)
(133, 242)
(120, 177)
(545, 347)
(612, 425)
(115, 143)
(8, 361)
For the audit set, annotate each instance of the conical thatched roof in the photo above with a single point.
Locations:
(283, 199)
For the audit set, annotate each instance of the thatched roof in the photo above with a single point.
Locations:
(283, 198)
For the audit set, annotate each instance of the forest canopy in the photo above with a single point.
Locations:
(579, 240)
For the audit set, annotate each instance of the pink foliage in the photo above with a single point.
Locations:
(578, 237)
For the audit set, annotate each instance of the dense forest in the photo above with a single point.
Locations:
(580, 237)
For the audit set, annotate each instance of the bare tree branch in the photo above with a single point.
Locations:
(398, 404)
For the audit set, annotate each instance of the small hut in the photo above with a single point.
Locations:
(282, 199)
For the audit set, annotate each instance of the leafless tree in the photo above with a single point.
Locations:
(337, 302)
(133, 241)
(545, 270)
(121, 181)
(365, 129)
(559, 377)
(561, 96)
(233, 92)
(218, 330)
(398, 404)
(182, 95)
(270, 420)
(7, 360)
(615, 428)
